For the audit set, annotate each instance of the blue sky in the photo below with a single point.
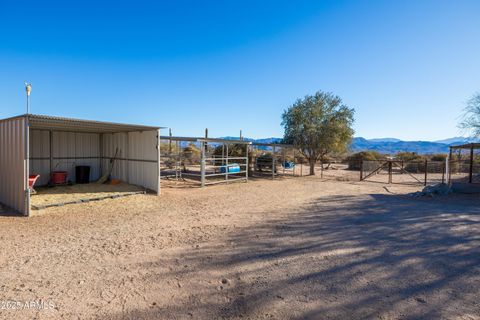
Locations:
(407, 67)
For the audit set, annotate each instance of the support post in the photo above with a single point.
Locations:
(273, 163)
(226, 165)
(202, 165)
(390, 172)
(426, 173)
(27, 166)
(170, 141)
(100, 138)
(470, 173)
(247, 168)
(449, 159)
(294, 162)
(361, 169)
(127, 155)
(50, 137)
(159, 175)
(444, 164)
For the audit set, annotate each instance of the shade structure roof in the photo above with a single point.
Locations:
(199, 139)
(79, 125)
(466, 146)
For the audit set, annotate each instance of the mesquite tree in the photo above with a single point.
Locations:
(318, 125)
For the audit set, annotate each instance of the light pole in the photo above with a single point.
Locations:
(28, 89)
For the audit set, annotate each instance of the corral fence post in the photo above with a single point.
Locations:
(361, 170)
(226, 164)
(449, 164)
(444, 165)
(426, 172)
(470, 172)
(390, 171)
(273, 162)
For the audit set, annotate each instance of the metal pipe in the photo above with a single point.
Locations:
(202, 164)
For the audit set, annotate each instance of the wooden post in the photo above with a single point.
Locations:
(361, 169)
(449, 177)
(273, 163)
(444, 165)
(247, 148)
(470, 173)
(389, 172)
(294, 162)
(426, 172)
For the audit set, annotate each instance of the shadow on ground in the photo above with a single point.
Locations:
(345, 257)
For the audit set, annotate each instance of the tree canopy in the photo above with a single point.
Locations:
(317, 125)
(471, 116)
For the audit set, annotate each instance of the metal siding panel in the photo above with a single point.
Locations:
(40, 148)
(12, 164)
(64, 147)
(134, 145)
(142, 146)
(88, 145)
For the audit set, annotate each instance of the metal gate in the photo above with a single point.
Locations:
(403, 172)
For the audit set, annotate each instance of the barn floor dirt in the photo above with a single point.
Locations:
(59, 195)
(300, 248)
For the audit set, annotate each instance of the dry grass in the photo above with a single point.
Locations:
(51, 196)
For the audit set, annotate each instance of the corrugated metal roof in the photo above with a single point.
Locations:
(79, 125)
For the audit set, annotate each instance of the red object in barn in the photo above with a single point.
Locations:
(31, 182)
(59, 177)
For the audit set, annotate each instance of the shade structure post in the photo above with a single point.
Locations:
(27, 167)
(159, 174)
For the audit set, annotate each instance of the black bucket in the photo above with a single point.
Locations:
(82, 174)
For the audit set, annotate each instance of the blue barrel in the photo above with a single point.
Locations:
(288, 165)
(232, 168)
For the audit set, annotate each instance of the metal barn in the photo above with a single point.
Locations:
(38, 144)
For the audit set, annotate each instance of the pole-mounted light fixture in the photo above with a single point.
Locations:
(28, 89)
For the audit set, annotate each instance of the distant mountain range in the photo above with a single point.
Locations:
(391, 145)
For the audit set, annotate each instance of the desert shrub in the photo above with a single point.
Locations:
(354, 161)
(191, 154)
(234, 150)
(408, 156)
(438, 157)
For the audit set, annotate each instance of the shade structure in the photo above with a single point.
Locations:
(39, 144)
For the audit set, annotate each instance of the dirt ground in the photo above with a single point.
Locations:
(296, 248)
